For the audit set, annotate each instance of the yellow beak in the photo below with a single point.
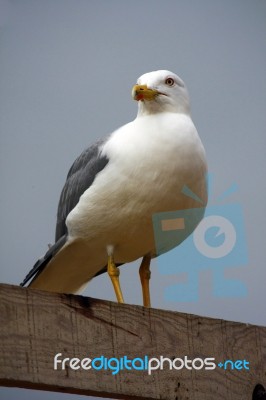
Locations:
(142, 92)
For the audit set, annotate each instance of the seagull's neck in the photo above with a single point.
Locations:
(151, 107)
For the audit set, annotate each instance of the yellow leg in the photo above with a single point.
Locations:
(145, 275)
(114, 272)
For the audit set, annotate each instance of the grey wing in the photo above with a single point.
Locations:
(80, 177)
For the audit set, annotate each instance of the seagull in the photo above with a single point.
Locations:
(117, 184)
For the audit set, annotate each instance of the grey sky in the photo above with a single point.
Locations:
(67, 68)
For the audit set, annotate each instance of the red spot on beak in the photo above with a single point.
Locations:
(140, 97)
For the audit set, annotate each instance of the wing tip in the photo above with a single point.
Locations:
(39, 266)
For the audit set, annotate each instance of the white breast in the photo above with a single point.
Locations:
(151, 159)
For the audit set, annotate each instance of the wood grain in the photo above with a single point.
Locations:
(35, 325)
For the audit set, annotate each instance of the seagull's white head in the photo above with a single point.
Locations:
(161, 91)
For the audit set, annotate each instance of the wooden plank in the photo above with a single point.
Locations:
(36, 325)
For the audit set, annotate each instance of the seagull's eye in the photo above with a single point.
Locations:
(169, 81)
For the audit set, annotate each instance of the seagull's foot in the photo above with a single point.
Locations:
(145, 276)
(114, 273)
